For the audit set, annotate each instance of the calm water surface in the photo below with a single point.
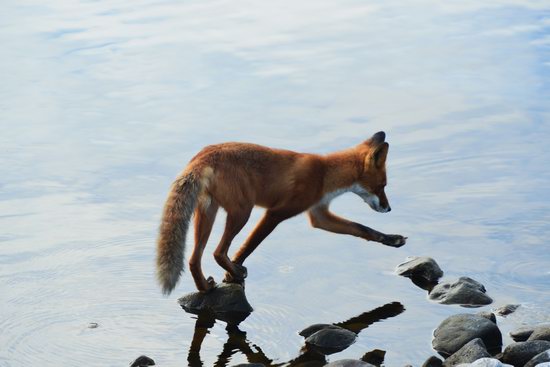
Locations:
(102, 103)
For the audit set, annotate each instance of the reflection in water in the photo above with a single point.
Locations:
(237, 340)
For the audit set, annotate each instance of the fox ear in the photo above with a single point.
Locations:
(380, 154)
(377, 138)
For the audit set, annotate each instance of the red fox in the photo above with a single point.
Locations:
(239, 176)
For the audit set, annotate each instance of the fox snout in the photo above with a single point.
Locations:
(378, 203)
(374, 202)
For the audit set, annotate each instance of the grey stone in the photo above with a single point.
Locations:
(485, 362)
(488, 315)
(470, 352)
(518, 354)
(331, 339)
(349, 363)
(312, 329)
(465, 291)
(506, 309)
(142, 361)
(433, 361)
(522, 334)
(420, 267)
(457, 330)
(541, 332)
(540, 358)
(227, 301)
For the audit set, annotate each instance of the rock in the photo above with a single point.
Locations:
(374, 357)
(93, 325)
(543, 357)
(420, 268)
(433, 361)
(506, 310)
(470, 352)
(349, 363)
(520, 353)
(485, 362)
(488, 315)
(465, 291)
(522, 334)
(142, 361)
(227, 301)
(329, 339)
(315, 328)
(541, 332)
(457, 330)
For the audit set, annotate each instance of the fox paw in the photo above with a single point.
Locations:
(394, 240)
(210, 285)
(241, 274)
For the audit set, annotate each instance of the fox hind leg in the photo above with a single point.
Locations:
(205, 214)
(236, 220)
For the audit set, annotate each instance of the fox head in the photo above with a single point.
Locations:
(372, 181)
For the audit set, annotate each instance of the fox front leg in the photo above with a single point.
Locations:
(321, 217)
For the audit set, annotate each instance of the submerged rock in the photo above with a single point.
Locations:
(522, 334)
(506, 310)
(518, 354)
(470, 352)
(457, 330)
(465, 292)
(541, 332)
(142, 361)
(420, 268)
(543, 357)
(227, 301)
(349, 363)
(328, 339)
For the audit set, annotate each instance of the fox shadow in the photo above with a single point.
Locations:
(238, 342)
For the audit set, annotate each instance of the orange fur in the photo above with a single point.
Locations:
(239, 176)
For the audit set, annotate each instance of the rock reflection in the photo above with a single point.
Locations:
(237, 341)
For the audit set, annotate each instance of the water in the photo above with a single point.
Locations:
(103, 103)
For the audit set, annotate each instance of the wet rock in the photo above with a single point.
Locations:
(470, 352)
(543, 357)
(506, 310)
(374, 357)
(310, 330)
(227, 301)
(349, 363)
(457, 330)
(420, 268)
(142, 361)
(465, 291)
(485, 362)
(522, 334)
(541, 332)
(520, 353)
(488, 315)
(328, 339)
(433, 361)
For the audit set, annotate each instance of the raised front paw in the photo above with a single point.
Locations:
(394, 240)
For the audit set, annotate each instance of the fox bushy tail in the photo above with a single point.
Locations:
(176, 216)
